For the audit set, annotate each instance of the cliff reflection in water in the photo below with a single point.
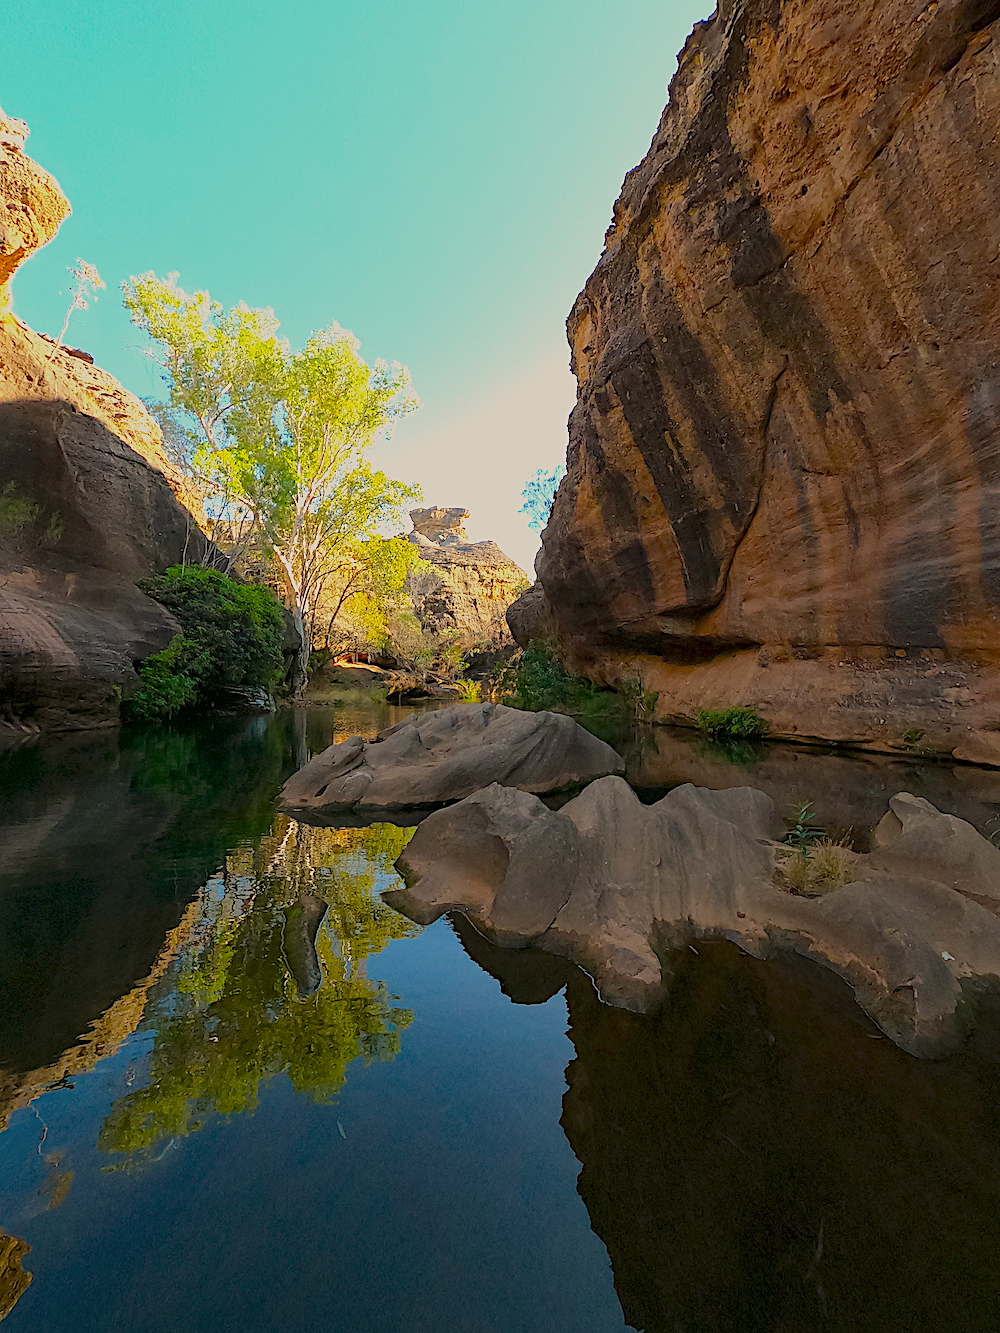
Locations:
(270, 979)
(105, 840)
(758, 1158)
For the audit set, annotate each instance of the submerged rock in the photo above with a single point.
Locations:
(616, 886)
(446, 755)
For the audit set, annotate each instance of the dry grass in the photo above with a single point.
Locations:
(811, 871)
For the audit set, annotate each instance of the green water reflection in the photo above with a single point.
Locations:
(269, 977)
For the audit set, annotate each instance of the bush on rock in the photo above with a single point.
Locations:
(231, 638)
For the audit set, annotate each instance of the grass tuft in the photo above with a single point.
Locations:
(818, 868)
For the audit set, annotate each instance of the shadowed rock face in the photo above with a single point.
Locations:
(470, 584)
(89, 500)
(618, 887)
(784, 462)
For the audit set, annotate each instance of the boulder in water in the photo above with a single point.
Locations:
(449, 754)
(616, 886)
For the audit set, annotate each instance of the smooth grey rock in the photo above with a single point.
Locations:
(447, 755)
(616, 886)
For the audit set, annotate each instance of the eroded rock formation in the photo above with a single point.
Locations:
(619, 887)
(471, 584)
(88, 500)
(449, 754)
(783, 483)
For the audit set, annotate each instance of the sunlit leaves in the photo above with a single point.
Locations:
(274, 434)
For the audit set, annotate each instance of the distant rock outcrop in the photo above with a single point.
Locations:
(618, 887)
(471, 584)
(783, 485)
(89, 502)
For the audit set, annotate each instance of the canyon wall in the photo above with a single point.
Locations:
(783, 485)
(469, 585)
(89, 502)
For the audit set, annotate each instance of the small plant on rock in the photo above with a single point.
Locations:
(802, 827)
(814, 869)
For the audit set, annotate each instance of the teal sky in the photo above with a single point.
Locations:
(435, 176)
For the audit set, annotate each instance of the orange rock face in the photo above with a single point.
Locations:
(784, 462)
(89, 502)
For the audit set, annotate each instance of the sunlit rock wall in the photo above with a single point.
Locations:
(88, 500)
(783, 486)
(469, 585)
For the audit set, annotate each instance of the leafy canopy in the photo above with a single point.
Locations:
(275, 434)
(538, 496)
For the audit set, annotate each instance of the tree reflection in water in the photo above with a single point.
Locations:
(271, 979)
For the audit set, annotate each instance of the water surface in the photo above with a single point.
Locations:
(238, 1092)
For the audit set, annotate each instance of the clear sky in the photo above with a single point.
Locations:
(436, 175)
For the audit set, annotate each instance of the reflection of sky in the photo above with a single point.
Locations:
(437, 177)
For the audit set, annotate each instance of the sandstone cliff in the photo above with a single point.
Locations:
(88, 501)
(784, 462)
(471, 584)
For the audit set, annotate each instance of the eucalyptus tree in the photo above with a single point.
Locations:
(278, 436)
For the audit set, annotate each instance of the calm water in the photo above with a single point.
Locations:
(237, 1092)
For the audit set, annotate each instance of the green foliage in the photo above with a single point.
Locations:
(366, 591)
(167, 682)
(424, 653)
(538, 496)
(21, 518)
(638, 700)
(278, 435)
(470, 691)
(232, 636)
(17, 512)
(536, 679)
(731, 723)
(234, 1015)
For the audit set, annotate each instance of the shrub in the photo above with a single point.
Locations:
(731, 723)
(231, 636)
(536, 680)
(815, 869)
(165, 686)
(468, 691)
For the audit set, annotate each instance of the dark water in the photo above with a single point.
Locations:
(237, 1092)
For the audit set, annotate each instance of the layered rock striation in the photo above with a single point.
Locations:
(89, 502)
(469, 586)
(783, 483)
